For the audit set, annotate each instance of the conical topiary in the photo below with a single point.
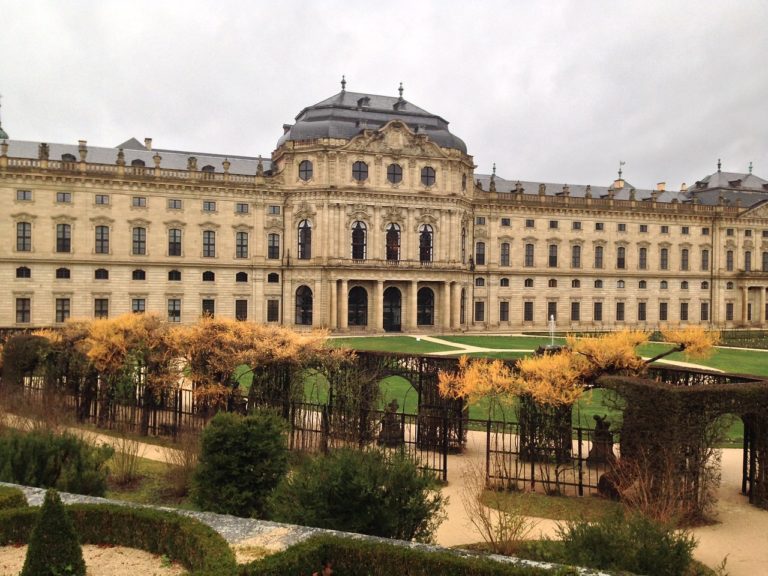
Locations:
(54, 549)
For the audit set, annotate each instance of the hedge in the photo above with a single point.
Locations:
(371, 558)
(198, 547)
(11, 498)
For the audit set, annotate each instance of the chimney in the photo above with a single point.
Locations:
(683, 187)
(661, 186)
(148, 143)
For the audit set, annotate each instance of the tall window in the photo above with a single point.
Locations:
(174, 242)
(575, 256)
(599, 256)
(765, 262)
(241, 310)
(209, 243)
(273, 310)
(729, 311)
(575, 311)
(174, 310)
(304, 306)
(619, 311)
(553, 255)
(102, 240)
(664, 258)
(642, 258)
(663, 311)
(23, 237)
(503, 311)
(621, 258)
(241, 245)
(528, 255)
(729, 260)
(357, 309)
(358, 240)
(305, 240)
(425, 307)
(597, 311)
(62, 309)
(139, 246)
(23, 310)
(273, 246)
(642, 311)
(704, 260)
(504, 254)
(527, 311)
(551, 310)
(683, 311)
(208, 307)
(684, 259)
(63, 238)
(101, 308)
(425, 243)
(705, 311)
(393, 242)
(747, 261)
(480, 253)
(479, 311)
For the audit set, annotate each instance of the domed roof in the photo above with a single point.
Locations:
(346, 114)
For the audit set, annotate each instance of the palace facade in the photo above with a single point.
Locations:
(368, 218)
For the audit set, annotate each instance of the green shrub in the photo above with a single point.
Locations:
(53, 546)
(365, 492)
(365, 558)
(628, 542)
(48, 460)
(241, 461)
(11, 498)
(198, 547)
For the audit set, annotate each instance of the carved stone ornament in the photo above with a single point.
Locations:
(357, 212)
(273, 223)
(392, 214)
(394, 138)
(481, 232)
(426, 218)
(304, 211)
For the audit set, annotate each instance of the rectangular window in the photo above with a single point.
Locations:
(139, 201)
(506, 222)
(704, 260)
(575, 311)
(24, 195)
(747, 261)
(576, 225)
(747, 233)
(729, 260)
(62, 309)
(273, 310)
(663, 311)
(705, 311)
(273, 247)
(643, 228)
(208, 307)
(174, 242)
(599, 226)
(241, 245)
(480, 253)
(209, 206)
(729, 311)
(23, 237)
(685, 230)
(553, 255)
(138, 305)
(553, 224)
(576, 256)
(101, 308)
(503, 311)
(530, 223)
(664, 259)
(598, 256)
(551, 311)
(684, 311)
(622, 227)
(619, 311)
(102, 240)
(63, 238)
(665, 229)
(102, 199)
(684, 259)
(274, 211)
(597, 312)
(504, 254)
(139, 243)
(765, 262)
(705, 231)
(64, 197)
(527, 311)
(729, 232)
(479, 311)
(23, 310)
(528, 255)
(241, 309)
(209, 244)
(242, 208)
(174, 204)
(174, 310)
(641, 312)
(480, 220)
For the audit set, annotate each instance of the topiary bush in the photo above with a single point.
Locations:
(242, 459)
(54, 548)
(11, 498)
(369, 492)
(48, 460)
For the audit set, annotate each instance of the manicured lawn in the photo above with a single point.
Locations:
(726, 359)
(503, 342)
(401, 344)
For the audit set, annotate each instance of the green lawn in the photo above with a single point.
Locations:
(738, 361)
(400, 344)
(503, 342)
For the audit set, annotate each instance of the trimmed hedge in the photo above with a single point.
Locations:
(198, 547)
(369, 558)
(12, 498)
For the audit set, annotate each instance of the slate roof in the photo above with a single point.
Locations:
(346, 114)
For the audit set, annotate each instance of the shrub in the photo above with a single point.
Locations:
(366, 492)
(633, 543)
(53, 545)
(243, 458)
(195, 545)
(183, 458)
(11, 498)
(48, 460)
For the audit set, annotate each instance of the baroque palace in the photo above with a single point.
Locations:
(368, 218)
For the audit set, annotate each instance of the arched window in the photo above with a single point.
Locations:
(552, 283)
(663, 285)
(425, 243)
(23, 272)
(528, 283)
(620, 284)
(304, 306)
(138, 274)
(705, 285)
(504, 282)
(208, 169)
(480, 253)
(598, 283)
(463, 245)
(68, 158)
(479, 281)
(684, 285)
(62, 273)
(360, 171)
(305, 170)
(241, 277)
(393, 242)
(621, 257)
(642, 285)
(273, 278)
(359, 233)
(138, 162)
(357, 306)
(101, 274)
(504, 254)
(174, 276)
(729, 286)
(209, 276)
(575, 283)
(305, 240)
(428, 176)
(395, 173)
(425, 307)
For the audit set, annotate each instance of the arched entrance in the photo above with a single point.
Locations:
(425, 307)
(304, 306)
(392, 309)
(357, 307)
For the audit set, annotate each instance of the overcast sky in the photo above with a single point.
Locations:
(553, 91)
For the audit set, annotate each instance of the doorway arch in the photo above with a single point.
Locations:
(392, 310)
(357, 307)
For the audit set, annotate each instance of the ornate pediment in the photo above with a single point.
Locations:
(142, 222)
(102, 220)
(23, 216)
(426, 217)
(357, 212)
(759, 211)
(304, 211)
(174, 224)
(394, 139)
(392, 214)
(481, 232)
(274, 223)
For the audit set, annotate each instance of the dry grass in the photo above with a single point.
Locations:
(128, 453)
(182, 460)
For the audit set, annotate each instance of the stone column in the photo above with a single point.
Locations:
(744, 300)
(445, 300)
(343, 305)
(334, 306)
(410, 304)
(378, 307)
(456, 306)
